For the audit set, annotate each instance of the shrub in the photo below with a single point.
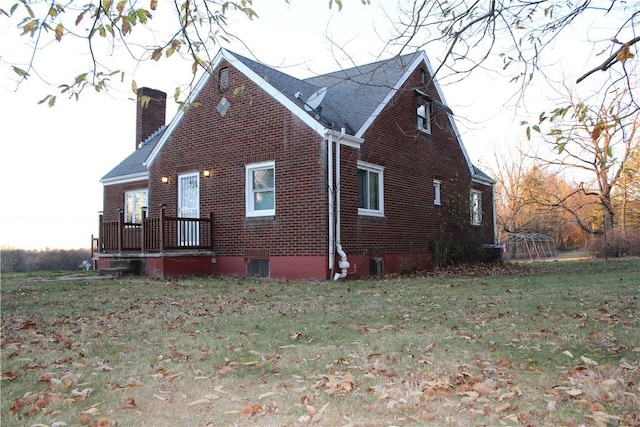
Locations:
(616, 246)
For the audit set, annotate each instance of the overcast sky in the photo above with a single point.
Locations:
(53, 158)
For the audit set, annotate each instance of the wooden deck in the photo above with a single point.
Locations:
(155, 235)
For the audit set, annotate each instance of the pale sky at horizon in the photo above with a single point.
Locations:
(53, 158)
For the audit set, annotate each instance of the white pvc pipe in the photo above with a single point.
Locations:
(331, 208)
(343, 264)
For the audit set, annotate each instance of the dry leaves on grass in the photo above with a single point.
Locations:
(599, 390)
(336, 383)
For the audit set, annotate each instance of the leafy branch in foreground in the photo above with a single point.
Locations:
(520, 34)
(106, 28)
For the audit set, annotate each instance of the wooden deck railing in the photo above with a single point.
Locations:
(155, 234)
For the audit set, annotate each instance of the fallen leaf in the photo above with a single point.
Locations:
(45, 378)
(568, 353)
(251, 410)
(9, 375)
(84, 419)
(82, 393)
(483, 388)
(502, 408)
(588, 361)
(103, 422)
(574, 392)
(129, 403)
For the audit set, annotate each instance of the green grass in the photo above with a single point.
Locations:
(550, 344)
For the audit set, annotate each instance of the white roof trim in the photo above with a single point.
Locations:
(276, 94)
(389, 96)
(481, 180)
(344, 139)
(140, 176)
(258, 80)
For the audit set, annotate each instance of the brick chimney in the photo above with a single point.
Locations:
(149, 116)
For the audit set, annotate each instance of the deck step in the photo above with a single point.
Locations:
(122, 267)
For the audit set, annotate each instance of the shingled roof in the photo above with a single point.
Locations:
(352, 95)
(352, 99)
(133, 166)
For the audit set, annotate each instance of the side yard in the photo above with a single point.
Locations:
(539, 344)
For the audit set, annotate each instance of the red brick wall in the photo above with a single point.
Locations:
(256, 128)
(412, 160)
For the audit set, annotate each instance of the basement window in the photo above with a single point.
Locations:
(258, 268)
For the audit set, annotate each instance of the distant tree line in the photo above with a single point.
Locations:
(25, 261)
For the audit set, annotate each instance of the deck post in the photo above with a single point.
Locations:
(143, 235)
(100, 232)
(211, 231)
(120, 229)
(162, 212)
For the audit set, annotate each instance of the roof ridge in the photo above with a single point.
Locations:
(358, 68)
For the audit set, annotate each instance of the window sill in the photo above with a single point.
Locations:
(367, 213)
(260, 218)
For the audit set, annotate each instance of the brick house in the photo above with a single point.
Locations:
(354, 173)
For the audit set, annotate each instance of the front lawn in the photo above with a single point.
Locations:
(539, 344)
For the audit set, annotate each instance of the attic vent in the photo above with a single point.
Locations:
(223, 78)
(223, 106)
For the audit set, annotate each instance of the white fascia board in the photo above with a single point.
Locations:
(343, 138)
(276, 94)
(181, 111)
(142, 176)
(483, 181)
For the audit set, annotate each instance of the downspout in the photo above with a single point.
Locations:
(332, 254)
(495, 225)
(343, 264)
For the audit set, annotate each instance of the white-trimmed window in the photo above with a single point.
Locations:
(134, 202)
(370, 189)
(423, 113)
(436, 192)
(260, 189)
(476, 207)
